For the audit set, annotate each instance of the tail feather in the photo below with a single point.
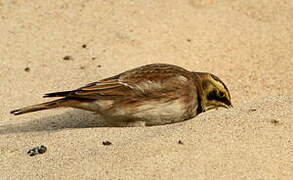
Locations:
(38, 107)
(58, 94)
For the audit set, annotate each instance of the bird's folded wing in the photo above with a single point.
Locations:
(110, 89)
(129, 84)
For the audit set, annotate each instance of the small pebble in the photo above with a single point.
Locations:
(99, 66)
(180, 142)
(83, 46)
(67, 58)
(37, 150)
(275, 122)
(252, 110)
(106, 143)
(27, 69)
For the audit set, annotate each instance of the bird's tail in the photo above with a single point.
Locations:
(38, 107)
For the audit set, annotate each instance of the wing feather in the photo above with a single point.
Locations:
(142, 81)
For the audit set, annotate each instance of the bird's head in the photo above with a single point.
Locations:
(214, 92)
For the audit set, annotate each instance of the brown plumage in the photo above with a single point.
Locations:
(148, 95)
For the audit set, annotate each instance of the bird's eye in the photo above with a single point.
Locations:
(212, 95)
(221, 93)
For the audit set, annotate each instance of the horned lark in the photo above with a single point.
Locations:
(153, 94)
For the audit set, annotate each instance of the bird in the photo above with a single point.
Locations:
(152, 94)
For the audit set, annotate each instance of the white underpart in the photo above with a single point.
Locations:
(97, 106)
(151, 113)
(155, 113)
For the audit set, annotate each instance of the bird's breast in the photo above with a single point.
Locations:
(152, 112)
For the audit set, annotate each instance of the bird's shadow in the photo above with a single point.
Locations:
(70, 119)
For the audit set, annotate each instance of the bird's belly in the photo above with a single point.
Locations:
(152, 113)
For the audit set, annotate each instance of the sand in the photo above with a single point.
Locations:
(49, 46)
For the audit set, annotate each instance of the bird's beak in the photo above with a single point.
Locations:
(227, 104)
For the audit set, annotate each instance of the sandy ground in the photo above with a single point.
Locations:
(248, 44)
